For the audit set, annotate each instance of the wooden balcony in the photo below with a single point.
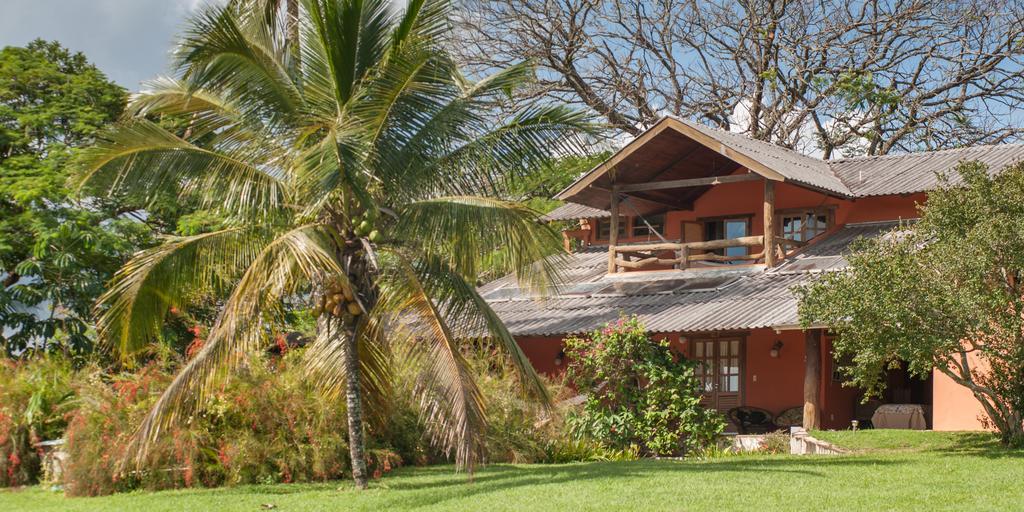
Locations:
(684, 255)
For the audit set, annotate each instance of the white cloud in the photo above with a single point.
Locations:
(129, 40)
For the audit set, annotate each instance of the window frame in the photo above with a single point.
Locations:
(827, 211)
(606, 223)
(748, 218)
(638, 224)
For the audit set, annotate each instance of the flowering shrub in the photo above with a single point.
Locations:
(267, 425)
(34, 395)
(641, 395)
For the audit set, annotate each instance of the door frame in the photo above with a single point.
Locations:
(719, 336)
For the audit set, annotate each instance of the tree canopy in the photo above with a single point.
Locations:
(943, 293)
(832, 76)
(56, 252)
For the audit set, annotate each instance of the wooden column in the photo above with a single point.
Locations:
(812, 379)
(613, 233)
(769, 222)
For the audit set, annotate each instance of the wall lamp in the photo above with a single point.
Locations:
(776, 349)
(559, 358)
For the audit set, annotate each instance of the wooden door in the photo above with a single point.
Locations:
(692, 232)
(719, 371)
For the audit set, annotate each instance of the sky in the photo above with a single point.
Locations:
(129, 40)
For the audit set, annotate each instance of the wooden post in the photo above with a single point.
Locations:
(769, 222)
(613, 234)
(812, 379)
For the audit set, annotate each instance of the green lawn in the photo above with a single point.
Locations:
(890, 471)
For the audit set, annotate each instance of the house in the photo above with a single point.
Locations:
(703, 234)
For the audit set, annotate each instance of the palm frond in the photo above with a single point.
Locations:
(472, 318)
(455, 147)
(209, 113)
(452, 406)
(352, 36)
(133, 309)
(141, 156)
(425, 20)
(531, 138)
(463, 231)
(324, 360)
(282, 269)
(246, 58)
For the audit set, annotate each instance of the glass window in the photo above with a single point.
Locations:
(656, 221)
(720, 229)
(803, 226)
(604, 228)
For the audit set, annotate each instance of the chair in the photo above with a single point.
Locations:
(751, 420)
(792, 417)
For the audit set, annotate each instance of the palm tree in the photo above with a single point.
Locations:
(366, 182)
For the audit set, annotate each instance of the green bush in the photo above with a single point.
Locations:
(641, 395)
(775, 443)
(34, 397)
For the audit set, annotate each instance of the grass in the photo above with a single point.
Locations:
(891, 470)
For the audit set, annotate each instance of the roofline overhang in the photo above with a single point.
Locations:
(670, 122)
(640, 141)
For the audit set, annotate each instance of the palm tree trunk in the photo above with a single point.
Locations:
(292, 13)
(354, 405)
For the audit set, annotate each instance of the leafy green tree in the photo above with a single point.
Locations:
(540, 185)
(55, 253)
(365, 181)
(641, 395)
(944, 293)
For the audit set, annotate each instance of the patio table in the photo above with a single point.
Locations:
(900, 416)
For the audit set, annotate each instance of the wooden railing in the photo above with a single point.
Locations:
(684, 254)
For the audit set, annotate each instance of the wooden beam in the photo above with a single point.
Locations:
(769, 223)
(613, 235)
(609, 165)
(812, 379)
(691, 182)
(743, 241)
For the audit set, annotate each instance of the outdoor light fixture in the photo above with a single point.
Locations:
(559, 358)
(776, 348)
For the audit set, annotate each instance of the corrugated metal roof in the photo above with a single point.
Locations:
(574, 211)
(917, 172)
(829, 253)
(694, 300)
(791, 164)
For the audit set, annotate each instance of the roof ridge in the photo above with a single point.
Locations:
(748, 137)
(922, 153)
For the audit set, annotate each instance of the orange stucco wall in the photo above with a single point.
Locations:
(953, 406)
(746, 199)
(775, 384)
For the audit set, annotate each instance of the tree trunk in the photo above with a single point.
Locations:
(354, 405)
(812, 379)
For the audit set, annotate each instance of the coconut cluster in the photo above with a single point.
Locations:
(338, 300)
(364, 225)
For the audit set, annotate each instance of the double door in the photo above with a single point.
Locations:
(719, 371)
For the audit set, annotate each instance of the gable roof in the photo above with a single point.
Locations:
(791, 165)
(850, 177)
(769, 160)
